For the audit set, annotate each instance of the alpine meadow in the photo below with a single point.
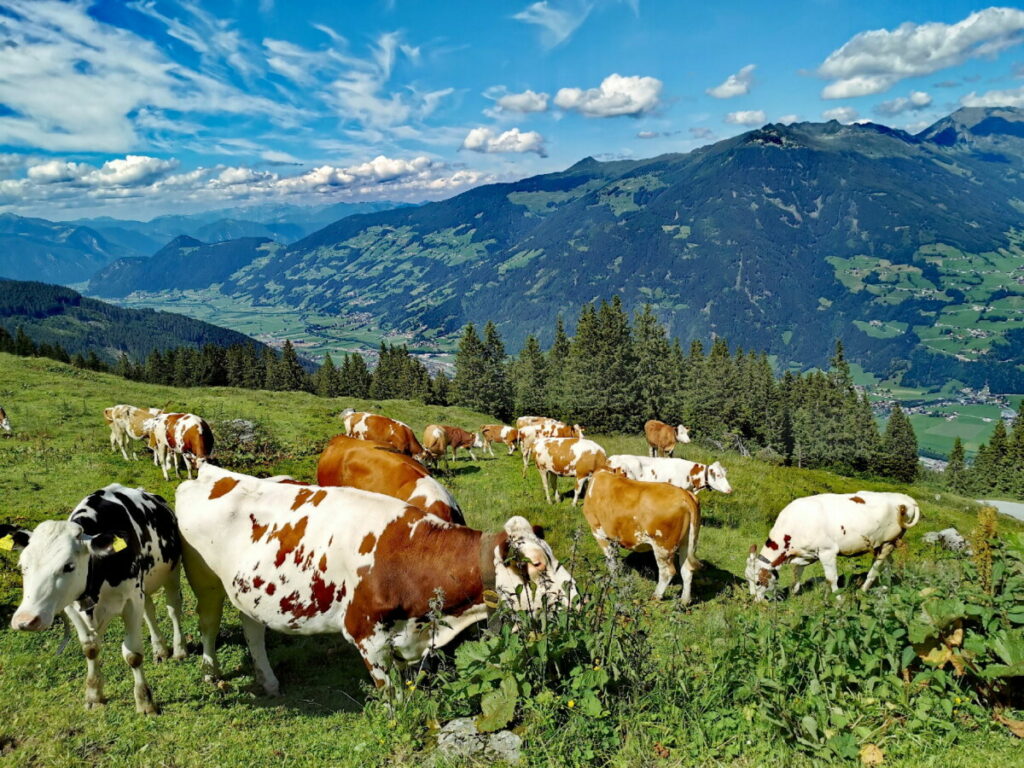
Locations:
(552, 383)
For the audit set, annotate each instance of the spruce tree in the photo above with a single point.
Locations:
(529, 379)
(497, 386)
(355, 377)
(554, 372)
(1014, 469)
(327, 381)
(898, 454)
(440, 389)
(470, 371)
(291, 376)
(956, 469)
(653, 373)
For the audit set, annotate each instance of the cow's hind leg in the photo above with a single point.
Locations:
(581, 483)
(155, 638)
(209, 605)
(256, 639)
(798, 574)
(880, 555)
(131, 651)
(828, 564)
(666, 570)
(172, 593)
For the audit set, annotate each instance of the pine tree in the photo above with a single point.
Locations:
(327, 380)
(956, 469)
(497, 386)
(529, 378)
(355, 377)
(554, 372)
(440, 389)
(653, 374)
(470, 371)
(291, 375)
(23, 345)
(1015, 456)
(898, 454)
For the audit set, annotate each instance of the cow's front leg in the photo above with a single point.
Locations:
(880, 555)
(131, 651)
(798, 572)
(666, 570)
(376, 655)
(155, 638)
(544, 482)
(581, 483)
(172, 592)
(610, 553)
(471, 454)
(89, 638)
(828, 564)
(256, 639)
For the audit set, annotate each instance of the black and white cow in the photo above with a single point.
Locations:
(119, 546)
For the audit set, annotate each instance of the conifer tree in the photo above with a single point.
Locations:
(355, 377)
(898, 454)
(292, 376)
(497, 386)
(440, 389)
(529, 378)
(554, 371)
(470, 371)
(956, 469)
(653, 374)
(1014, 470)
(327, 381)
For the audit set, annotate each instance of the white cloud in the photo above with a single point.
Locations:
(617, 95)
(55, 171)
(279, 158)
(515, 103)
(734, 85)
(788, 119)
(873, 61)
(127, 171)
(916, 101)
(702, 133)
(752, 117)
(512, 140)
(844, 115)
(558, 19)
(1011, 97)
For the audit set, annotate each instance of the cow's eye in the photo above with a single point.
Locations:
(69, 567)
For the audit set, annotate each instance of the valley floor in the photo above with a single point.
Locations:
(327, 715)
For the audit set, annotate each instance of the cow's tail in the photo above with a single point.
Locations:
(909, 521)
(163, 408)
(691, 545)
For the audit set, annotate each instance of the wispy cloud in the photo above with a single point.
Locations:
(559, 19)
(738, 84)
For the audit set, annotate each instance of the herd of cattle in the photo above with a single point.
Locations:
(378, 545)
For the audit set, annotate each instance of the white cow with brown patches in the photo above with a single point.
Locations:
(688, 475)
(827, 526)
(311, 560)
(567, 457)
(174, 435)
(127, 426)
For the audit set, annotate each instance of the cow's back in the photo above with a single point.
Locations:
(631, 512)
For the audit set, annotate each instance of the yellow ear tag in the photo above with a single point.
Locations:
(490, 598)
(7, 542)
(119, 544)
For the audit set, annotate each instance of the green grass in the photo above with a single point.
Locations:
(60, 453)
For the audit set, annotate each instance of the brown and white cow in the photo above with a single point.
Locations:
(371, 426)
(179, 434)
(526, 421)
(5, 423)
(435, 444)
(126, 426)
(688, 475)
(662, 437)
(499, 433)
(460, 438)
(310, 560)
(530, 434)
(567, 457)
(642, 516)
(375, 467)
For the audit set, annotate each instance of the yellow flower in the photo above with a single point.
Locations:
(571, 704)
(957, 700)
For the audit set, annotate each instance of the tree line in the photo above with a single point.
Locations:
(998, 467)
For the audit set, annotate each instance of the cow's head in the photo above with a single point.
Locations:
(682, 434)
(54, 566)
(477, 440)
(108, 415)
(346, 413)
(716, 479)
(529, 575)
(577, 430)
(762, 574)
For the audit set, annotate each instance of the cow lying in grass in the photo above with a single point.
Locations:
(119, 547)
(311, 560)
(828, 525)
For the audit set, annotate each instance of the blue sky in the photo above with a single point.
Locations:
(141, 108)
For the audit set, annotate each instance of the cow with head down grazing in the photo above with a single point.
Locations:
(119, 546)
(311, 560)
(381, 429)
(827, 526)
(531, 433)
(179, 434)
(127, 426)
(499, 433)
(662, 437)
(5, 423)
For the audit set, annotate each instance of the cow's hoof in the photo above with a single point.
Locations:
(95, 704)
(180, 655)
(161, 654)
(147, 708)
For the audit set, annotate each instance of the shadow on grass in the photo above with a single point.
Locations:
(708, 582)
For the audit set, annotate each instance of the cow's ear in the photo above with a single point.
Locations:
(13, 539)
(107, 543)
(538, 531)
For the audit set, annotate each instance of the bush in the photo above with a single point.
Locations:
(245, 445)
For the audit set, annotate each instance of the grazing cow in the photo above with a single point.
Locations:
(499, 433)
(119, 546)
(5, 423)
(312, 560)
(370, 426)
(825, 526)
(688, 475)
(375, 467)
(526, 421)
(179, 434)
(126, 424)
(530, 434)
(643, 516)
(460, 438)
(435, 444)
(567, 457)
(662, 438)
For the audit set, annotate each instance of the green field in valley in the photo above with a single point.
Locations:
(329, 716)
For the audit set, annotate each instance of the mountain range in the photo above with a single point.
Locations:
(909, 248)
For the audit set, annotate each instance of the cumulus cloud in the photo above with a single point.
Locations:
(734, 85)
(915, 102)
(1011, 97)
(788, 119)
(875, 60)
(845, 115)
(119, 172)
(751, 117)
(512, 140)
(506, 103)
(616, 96)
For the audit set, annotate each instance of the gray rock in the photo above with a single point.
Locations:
(950, 539)
(460, 738)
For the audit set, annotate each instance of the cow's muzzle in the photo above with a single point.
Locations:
(26, 622)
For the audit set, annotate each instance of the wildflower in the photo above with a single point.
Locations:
(571, 704)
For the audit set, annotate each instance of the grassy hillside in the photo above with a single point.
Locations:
(60, 452)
